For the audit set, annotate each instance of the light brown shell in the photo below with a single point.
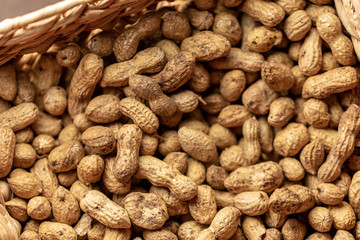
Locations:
(66, 156)
(7, 146)
(65, 207)
(203, 207)
(103, 109)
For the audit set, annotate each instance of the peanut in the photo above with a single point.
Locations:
(343, 215)
(293, 229)
(117, 74)
(281, 111)
(174, 205)
(26, 91)
(253, 228)
(188, 230)
(17, 209)
(297, 25)
(203, 207)
(268, 13)
(292, 169)
(99, 206)
(206, 46)
(126, 44)
(215, 176)
(89, 169)
(292, 199)
(147, 88)
(228, 26)
(20, 116)
(127, 158)
(110, 182)
(103, 109)
(169, 143)
(329, 28)
(162, 175)
(320, 219)
(7, 147)
(266, 176)
(263, 39)
(349, 127)
(253, 203)
(51, 230)
(24, 184)
(232, 85)
(310, 54)
(185, 100)
(195, 171)
(66, 156)
(329, 193)
(175, 26)
(312, 156)
(65, 207)
(200, 79)
(141, 115)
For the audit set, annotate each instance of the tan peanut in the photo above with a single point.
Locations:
(239, 59)
(147, 88)
(258, 97)
(223, 225)
(252, 203)
(200, 79)
(169, 47)
(203, 207)
(292, 199)
(65, 206)
(277, 76)
(293, 229)
(310, 54)
(215, 176)
(51, 230)
(353, 194)
(320, 219)
(206, 46)
(268, 13)
(142, 116)
(232, 85)
(99, 139)
(104, 108)
(169, 142)
(197, 144)
(195, 171)
(228, 26)
(26, 91)
(253, 228)
(316, 113)
(188, 230)
(66, 156)
(329, 28)
(149, 60)
(110, 182)
(274, 220)
(185, 100)
(291, 6)
(24, 184)
(174, 205)
(17, 209)
(266, 176)
(291, 139)
(128, 146)
(334, 81)
(201, 20)
(329, 193)
(100, 207)
(7, 146)
(343, 215)
(177, 160)
(176, 72)
(281, 111)
(349, 127)
(144, 206)
(222, 136)
(297, 25)
(312, 156)
(89, 169)
(292, 168)
(20, 116)
(175, 26)
(263, 39)
(342, 234)
(126, 44)
(8, 82)
(162, 175)
(83, 83)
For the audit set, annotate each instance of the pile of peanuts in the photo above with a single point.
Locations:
(235, 119)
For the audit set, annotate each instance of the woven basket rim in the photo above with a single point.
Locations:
(37, 31)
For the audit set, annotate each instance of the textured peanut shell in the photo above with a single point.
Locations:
(343, 215)
(100, 207)
(7, 147)
(349, 127)
(177, 160)
(66, 156)
(24, 184)
(128, 147)
(354, 192)
(147, 88)
(110, 182)
(329, 28)
(175, 26)
(162, 175)
(297, 25)
(214, 103)
(206, 45)
(258, 96)
(312, 156)
(174, 205)
(290, 140)
(266, 176)
(150, 60)
(49, 182)
(161, 234)
(329, 193)
(26, 91)
(342, 234)
(281, 111)
(65, 206)
(292, 199)
(310, 54)
(222, 136)
(17, 209)
(47, 124)
(293, 229)
(334, 81)
(186, 100)
(144, 206)
(188, 230)
(169, 47)
(320, 219)
(83, 83)
(197, 144)
(8, 82)
(239, 59)
(252, 203)
(20, 116)
(225, 222)
(327, 136)
(89, 170)
(55, 101)
(176, 72)
(228, 26)
(232, 85)
(195, 171)
(277, 76)
(263, 39)
(253, 228)
(52, 230)
(126, 44)
(215, 176)
(99, 139)
(103, 109)
(203, 207)
(169, 142)
(201, 20)
(233, 115)
(200, 79)
(268, 13)
(24, 155)
(292, 168)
